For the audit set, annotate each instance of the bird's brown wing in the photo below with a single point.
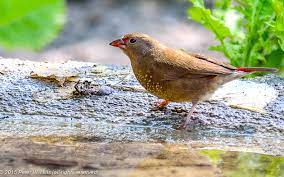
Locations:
(211, 60)
(180, 64)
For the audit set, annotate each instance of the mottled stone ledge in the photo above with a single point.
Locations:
(31, 105)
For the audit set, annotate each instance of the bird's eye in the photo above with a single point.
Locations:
(132, 41)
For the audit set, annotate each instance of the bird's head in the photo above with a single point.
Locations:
(135, 44)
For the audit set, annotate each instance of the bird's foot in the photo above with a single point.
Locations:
(184, 124)
(188, 120)
(188, 123)
(160, 105)
(181, 126)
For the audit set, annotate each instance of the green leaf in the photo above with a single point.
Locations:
(222, 4)
(202, 15)
(278, 26)
(198, 3)
(218, 48)
(30, 23)
(276, 59)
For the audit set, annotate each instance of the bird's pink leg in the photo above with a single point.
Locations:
(188, 117)
(160, 105)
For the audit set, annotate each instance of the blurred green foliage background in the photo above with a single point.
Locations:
(250, 32)
(30, 23)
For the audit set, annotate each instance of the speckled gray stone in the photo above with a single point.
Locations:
(125, 115)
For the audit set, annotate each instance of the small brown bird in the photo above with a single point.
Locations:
(175, 75)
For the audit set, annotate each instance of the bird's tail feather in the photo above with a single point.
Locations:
(257, 69)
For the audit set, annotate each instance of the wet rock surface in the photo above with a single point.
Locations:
(32, 108)
(76, 156)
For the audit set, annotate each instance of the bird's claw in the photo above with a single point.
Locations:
(182, 126)
(188, 122)
(157, 108)
(160, 105)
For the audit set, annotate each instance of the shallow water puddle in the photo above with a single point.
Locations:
(75, 154)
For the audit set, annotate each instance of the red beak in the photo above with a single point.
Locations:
(118, 43)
